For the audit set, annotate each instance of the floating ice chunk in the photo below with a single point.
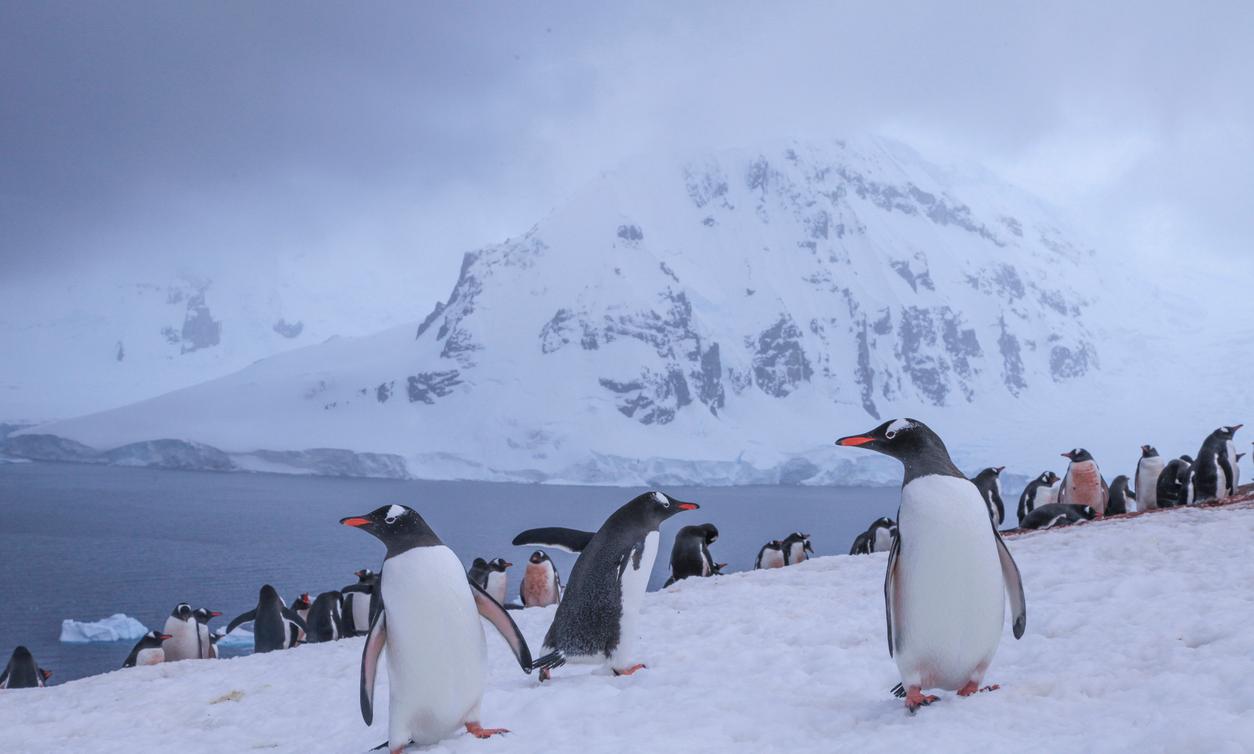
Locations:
(116, 627)
(237, 639)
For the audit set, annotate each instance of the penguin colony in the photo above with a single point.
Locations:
(949, 578)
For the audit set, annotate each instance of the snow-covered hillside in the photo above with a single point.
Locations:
(1137, 640)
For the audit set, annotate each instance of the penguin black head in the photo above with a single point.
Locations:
(1148, 451)
(1078, 455)
(910, 441)
(182, 611)
(656, 507)
(1227, 432)
(1087, 512)
(397, 526)
(797, 536)
(774, 544)
(1048, 478)
(154, 638)
(538, 557)
(499, 565)
(203, 615)
(883, 523)
(364, 575)
(302, 602)
(1187, 459)
(711, 533)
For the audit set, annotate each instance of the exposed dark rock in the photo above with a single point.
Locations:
(1012, 361)
(50, 448)
(630, 233)
(383, 392)
(865, 374)
(289, 329)
(430, 319)
(200, 329)
(779, 361)
(170, 454)
(427, 386)
(1068, 363)
(119, 352)
(710, 386)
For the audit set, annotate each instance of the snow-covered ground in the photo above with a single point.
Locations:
(1138, 639)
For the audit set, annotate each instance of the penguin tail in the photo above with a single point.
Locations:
(549, 661)
(899, 691)
(383, 745)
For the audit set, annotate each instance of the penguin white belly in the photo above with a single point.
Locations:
(1221, 480)
(182, 642)
(883, 540)
(436, 652)
(1147, 483)
(1047, 495)
(635, 581)
(950, 594)
(497, 585)
(360, 605)
(539, 586)
(149, 656)
(796, 553)
(773, 559)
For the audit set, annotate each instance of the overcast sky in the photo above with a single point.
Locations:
(136, 131)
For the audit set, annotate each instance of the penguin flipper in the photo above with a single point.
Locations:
(364, 588)
(375, 641)
(241, 619)
(1014, 587)
(890, 591)
(290, 614)
(490, 609)
(570, 540)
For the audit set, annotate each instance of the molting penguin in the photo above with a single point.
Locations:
(184, 631)
(541, 585)
(204, 647)
(23, 672)
(596, 619)
(1175, 484)
(491, 576)
(770, 556)
(1040, 491)
(275, 625)
(147, 651)
(988, 482)
(1212, 474)
(360, 602)
(797, 548)
(325, 622)
(877, 538)
(1083, 483)
(948, 571)
(690, 555)
(1122, 499)
(429, 622)
(1148, 469)
(1057, 514)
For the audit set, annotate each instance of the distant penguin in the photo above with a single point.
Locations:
(988, 482)
(1083, 483)
(360, 602)
(301, 606)
(23, 672)
(949, 571)
(325, 622)
(690, 555)
(1057, 514)
(214, 638)
(184, 631)
(495, 579)
(1175, 486)
(147, 651)
(541, 585)
(797, 548)
(770, 556)
(877, 538)
(1122, 499)
(275, 625)
(1236, 469)
(596, 621)
(1040, 491)
(203, 646)
(1148, 469)
(429, 621)
(1212, 475)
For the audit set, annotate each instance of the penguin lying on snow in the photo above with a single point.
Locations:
(1083, 483)
(541, 585)
(1175, 484)
(797, 548)
(1057, 514)
(147, 651)
(1040, 491)
(1147, 470)
(275, 625)
(23, 672)
(771, 556)
(596, 619)
(988, 482)
(360, 603)
(877, 538)
(1120, 497)
(690, 555)
(491, 576)
(1211, 475)
(429, 621)
(948, 571)
(325, 621)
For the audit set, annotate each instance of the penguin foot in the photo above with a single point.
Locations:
(545, 675)
(631, 670)
(915, 698)
(477, 731)
(973, 688)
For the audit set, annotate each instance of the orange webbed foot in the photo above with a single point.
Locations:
(479, 731)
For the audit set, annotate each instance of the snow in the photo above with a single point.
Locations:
(116, 627)
(1137, 640)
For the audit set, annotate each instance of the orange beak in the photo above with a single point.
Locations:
(355, 521)
(855, 441)
(688, 506)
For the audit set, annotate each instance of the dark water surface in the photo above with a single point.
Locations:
(85, 542)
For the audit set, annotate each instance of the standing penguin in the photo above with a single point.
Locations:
(1175, 485)
(948, 572)
(690, 555)
(1122, 499)
(1212, 474)
(147, 651)
(360, 601)
(301, 606)
(491, 576)
(877, 538)
(325, 622)
(541, 585)
(1083, 483)
(770, 556)
(988, 482)
(429, 622)
(1236, 470)
(596, 619)
(23, 672)
(797, 548)
(275, 625)
(184, 631)
(1148, 468)
(204, 648)
(1040, 491)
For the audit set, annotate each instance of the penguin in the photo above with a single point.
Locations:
(877, 538)
(184, 631)
(1057, 514)
(541, 585)
(596, 619)
(359, 602)
(23, 672)
(301, 606)
(429, 623)
(1122, 499)
(1148, 469)
(1236, 470)
(690, 555)
(1040, 491)
(275, 625)
(491, 577)
(325, 621)
(1083, 483)
(949, 572)
(214, 638)
(1211, 473)
(204, 647)
(988, 482)
(797, 548)
(770, 556)
(1175, 485)
(147, 651)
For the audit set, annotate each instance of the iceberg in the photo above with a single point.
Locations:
(237, 639)
(116, 627)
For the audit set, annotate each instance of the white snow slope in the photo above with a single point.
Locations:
(1137, 640)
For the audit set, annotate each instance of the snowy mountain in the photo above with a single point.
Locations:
(713, 319)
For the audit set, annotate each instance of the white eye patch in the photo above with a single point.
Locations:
(662, 500)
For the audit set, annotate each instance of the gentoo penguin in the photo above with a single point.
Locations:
(1057, 514)
(1083, 483)
(359, 601)
(275, 625)
(541, 585)
(988, 482)
(147, 651)
(1212, 471)
(1236, 470)
(491, 577)
(690, 555)
(797, 548)
(184, 631)
(1175, 484)
(596, 619)
(1147, 471)
(301, 606)
(214, 638)
(429, 622)
(325, 622)
(1122, 499)
(23, 672)
(770, 556)
(203, 646)
(948, 571)
(877, 538)
(1040, 491)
